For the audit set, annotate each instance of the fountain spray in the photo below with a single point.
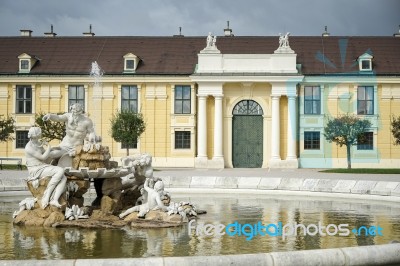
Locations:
(96, 74)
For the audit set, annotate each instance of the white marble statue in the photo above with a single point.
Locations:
(153, 202)
(284, 40)
(78, 128)
(141, 169)
(214, 41)
(210, 40)
(26, 204)
(75, 213)
(36, 162)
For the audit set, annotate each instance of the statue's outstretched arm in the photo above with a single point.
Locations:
(146, 185)
(160, 204)
(54, 117)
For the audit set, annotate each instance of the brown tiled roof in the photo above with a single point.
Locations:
(178, 55)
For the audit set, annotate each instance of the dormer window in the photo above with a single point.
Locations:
(131, 62)
(26, 62)
(365, 62)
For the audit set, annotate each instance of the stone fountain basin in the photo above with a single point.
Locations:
(85, 173)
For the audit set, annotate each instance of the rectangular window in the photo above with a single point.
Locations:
(182, 139)
(76, 94)
(365, 141)
(24, 65)
(24, 99)
(21, 139)
(182, 99)
(312, 100)
(130, 146)
(129, 98)
(366, 64)
(129, 64)
(365, 100)
(311, 140)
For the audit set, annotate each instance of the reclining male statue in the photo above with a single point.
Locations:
(78, 127)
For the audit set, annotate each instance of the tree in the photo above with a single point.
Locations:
(346, 130)
(126, 127)
(50, 129)
(396, 129)
(7, 127)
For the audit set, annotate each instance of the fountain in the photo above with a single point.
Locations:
(129, 194)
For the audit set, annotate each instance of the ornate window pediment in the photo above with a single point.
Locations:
(26, 62)
(131, 62)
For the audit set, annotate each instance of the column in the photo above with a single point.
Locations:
(202, 127)
(218, 153)
(291, 136)
(275, 138)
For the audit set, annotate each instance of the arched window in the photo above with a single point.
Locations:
(247, 107)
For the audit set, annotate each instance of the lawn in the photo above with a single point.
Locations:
(12, 167)
(363, 171)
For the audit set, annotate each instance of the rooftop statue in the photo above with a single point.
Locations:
(284, 47)
(284, 40)
(211, 41)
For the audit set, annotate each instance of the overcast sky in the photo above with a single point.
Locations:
(198, 17)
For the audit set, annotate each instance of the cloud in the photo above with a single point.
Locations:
(162, 17)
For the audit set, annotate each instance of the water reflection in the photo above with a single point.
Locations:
(70, 243)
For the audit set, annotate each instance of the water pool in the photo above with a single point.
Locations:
(72, 243)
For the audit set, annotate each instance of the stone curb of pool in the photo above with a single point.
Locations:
(388, 254)
(356, 187)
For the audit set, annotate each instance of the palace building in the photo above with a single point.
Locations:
(212, 102)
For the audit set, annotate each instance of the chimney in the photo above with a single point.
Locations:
(26, 33)
(326, 33)
(180, 33)
(51, 33)
(90, 33)
(397, 34)
(228, 31)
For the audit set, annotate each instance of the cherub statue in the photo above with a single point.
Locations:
(142, 170)
(153, 200)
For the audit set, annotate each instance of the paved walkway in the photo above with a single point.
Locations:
(244, 172)
(14, 180)
(270, 173)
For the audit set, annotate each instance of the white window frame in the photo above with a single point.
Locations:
(365, 58)
(129, 57)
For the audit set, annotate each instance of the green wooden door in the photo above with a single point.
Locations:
(247, 146)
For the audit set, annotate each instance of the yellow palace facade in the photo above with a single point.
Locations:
(229, 102)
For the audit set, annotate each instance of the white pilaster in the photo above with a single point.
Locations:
(275, 130)
(291, 134)
(218, 127)
(202, 128)
(218, 158)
